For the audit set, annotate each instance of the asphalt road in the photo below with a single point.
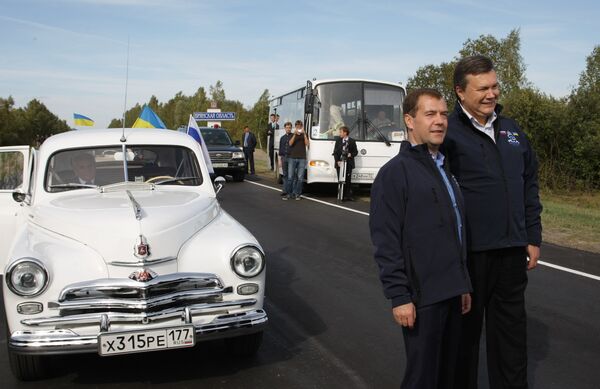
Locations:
(330, 326)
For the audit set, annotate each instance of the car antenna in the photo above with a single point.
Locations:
(123, 139)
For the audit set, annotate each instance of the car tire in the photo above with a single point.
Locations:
(238, 177)
(27, 367)
(244, 346)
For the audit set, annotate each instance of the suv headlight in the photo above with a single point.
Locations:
(248, 262)
(27, 277)
(237, 155)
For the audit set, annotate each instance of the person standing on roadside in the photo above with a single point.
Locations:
(345, 150)
(496, 168)
(249, 144)
(417, 228)
(271, 127)
(296, 161)
(284, 145)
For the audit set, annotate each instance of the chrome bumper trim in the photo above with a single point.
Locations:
(142, 317)
(67, 342)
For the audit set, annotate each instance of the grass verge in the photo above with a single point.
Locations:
(572, 219)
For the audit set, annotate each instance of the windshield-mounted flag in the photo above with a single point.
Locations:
(148, 119)
(194, 132)
(81, 120)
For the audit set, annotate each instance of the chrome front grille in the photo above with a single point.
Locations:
(129, 289)
(125, 300)
(220, 156)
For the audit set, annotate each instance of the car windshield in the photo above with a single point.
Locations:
(216, 137)
(100, 166)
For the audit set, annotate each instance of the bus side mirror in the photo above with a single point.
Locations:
(309, 99)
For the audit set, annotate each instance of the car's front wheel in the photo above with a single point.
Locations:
(27, 367)
(245, 345)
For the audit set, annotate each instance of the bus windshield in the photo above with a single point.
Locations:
(372, 112)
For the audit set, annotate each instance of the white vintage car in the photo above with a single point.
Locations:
(114, 242)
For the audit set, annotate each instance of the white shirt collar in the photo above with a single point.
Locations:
(487, 128)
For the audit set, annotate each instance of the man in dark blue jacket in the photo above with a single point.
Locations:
(248, 145)
(417, 229)
(496, 169)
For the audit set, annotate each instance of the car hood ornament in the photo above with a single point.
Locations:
(143, 275)
(141, 249)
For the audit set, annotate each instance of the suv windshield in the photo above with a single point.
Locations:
(216, 137)
(99, 166)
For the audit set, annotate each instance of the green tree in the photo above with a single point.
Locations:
(217, 93)
(583, 113)
(505, 53)
(437, 77)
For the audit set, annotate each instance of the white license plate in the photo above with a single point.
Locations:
(148, 340)
(220, 165)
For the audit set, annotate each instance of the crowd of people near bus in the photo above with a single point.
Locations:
(293, 145)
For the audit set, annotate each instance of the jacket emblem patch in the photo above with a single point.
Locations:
(512, 138)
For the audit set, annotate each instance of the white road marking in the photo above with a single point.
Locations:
(566, 269)
(311, 199)
(557, 267)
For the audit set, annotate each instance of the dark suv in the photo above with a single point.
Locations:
(226, 157)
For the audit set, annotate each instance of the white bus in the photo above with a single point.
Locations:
(372, 110)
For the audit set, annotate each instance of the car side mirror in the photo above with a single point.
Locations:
(18, 196)
(237, 143)
(219, 183)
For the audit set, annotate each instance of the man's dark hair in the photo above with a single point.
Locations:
(474, 65)
(298, 122)
(411, 101)
(246, 127)
(345, 129)
(288, 124)
(272, 115)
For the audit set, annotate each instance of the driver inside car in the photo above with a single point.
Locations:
(84, 169)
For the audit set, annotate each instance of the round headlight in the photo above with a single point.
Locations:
(248, 262)
(27, 277)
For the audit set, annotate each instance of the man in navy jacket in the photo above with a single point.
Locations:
(417, 228)
(496, 169)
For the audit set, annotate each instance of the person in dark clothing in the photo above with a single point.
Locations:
(271, 127)
(284, 145)
(496, 168)
(416, 223)
(345, 150)
(249, 144)
(296, 161)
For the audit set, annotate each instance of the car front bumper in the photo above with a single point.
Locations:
(64, 341)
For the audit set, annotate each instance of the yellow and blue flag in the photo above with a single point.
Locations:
(81, 120)
(148, 119)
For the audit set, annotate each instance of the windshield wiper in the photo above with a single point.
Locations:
(72, 185)
(177, 179)
(380, 134)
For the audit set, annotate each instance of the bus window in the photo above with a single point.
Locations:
(383, 113)
(338, 104)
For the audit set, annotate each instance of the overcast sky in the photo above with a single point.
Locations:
(72, 54)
